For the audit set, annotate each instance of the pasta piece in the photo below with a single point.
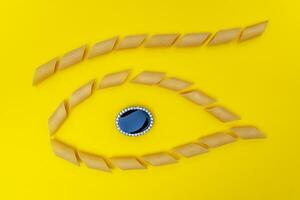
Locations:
(64, 151)
(191, 149)
(131, 41)
(222, 114)
(103, 47)
(247, 132)
(160, 158)
(114, 79)
(57, 118)
(198, 97)
(192, 39)
(253, 31)
(44, 71)
(148, 77)
(225, 36)
(94, 161)
(127, 163)
(174, 84)
(161, 40)
(81, 94)
(217, 139)
(71, 58)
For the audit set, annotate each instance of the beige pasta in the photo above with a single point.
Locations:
(64, 151)
(253, 31)
(103, 47)
(131, 41)
(247, 132)
(127, 163)
(191, 149)
(198, 97)
(192, 39)
(57, 118)
(160, 158)
(94, 161)
(161, 40)
(44, 71)
(148, 77)
(222, 114)
(81, 94)
(174, 84)
(71, 58)
(217, 139)
(225, 36)
(114, 79)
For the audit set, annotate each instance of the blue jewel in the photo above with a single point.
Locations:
(134, 121)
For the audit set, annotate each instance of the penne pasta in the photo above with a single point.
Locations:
(174, 84)
(127, 163)
(131, 41)
(94, 161)
(57, 118)
(198, 97)
(189, 150)
(103, 47)
(247, 132)
(253, 31)
(71, 58)
(222, 114)
(192, 39)
(64, 151)
(225, 36)
(217, 139)
(160, 158)
(114, 79)
(44, 71)
(81, 94)
(161, 40)
(148, 77)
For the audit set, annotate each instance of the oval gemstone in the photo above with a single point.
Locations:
(134, 121)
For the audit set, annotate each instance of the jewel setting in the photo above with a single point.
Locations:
(134, 121)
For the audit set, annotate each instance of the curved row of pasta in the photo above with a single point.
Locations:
(198, 147)
(134, 41)
(201, 146)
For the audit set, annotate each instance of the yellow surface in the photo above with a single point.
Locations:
(258, 79)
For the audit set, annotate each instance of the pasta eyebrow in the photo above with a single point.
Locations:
(161, 40)
(225, 36)
(44, 71)
(71, 58)
(253, 31)
(103, 47)
(131, 41)
(134, 41)
(192, 39)
(129, 162)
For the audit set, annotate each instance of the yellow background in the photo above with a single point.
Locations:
(258, 79)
